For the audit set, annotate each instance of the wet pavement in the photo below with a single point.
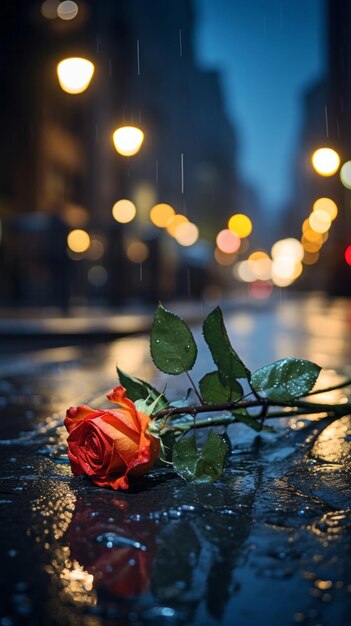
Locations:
(269, 543)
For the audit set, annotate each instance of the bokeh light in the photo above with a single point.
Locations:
(260, 264)
(78, 240)
(124, 211)
(285, 267)
(320, 221)
(128, 140)
(345, 174)
(75, 74)
(174, 222)
(97, 276)
(328, 205)
(311, 235)
(325, 161)
(96, 249)
(260, 289)
(161, 214)
(348, 255)
(187, 234)
(243, 271)
(137, 251)
(289, 247)
(223, 258)
(310, 258)
(240, 224)
(49, 9)
(227, 241)
(67, 10)
(311, 246)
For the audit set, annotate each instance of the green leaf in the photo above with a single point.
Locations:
(205, 466)
(168, 440)
(173, 348)
(140, 390)
(229, 364)
(213, 390)
(241, 415)
(286, 380)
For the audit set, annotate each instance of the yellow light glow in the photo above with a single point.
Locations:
(310, 258)
(137, 251)
(174, 222)
(161, 215)
(240, 224)
(75, 74)
(306, 225)
(78, 241)
(311, 246)
(223, 258)
(227, 241)
(325, 161)
(328, 205)
(187, 234)
(289, 247)
(128, 140)
(67, 10)
(345, 175)
(320, 221)
(257, 255)
(311, 235)
(124, 211)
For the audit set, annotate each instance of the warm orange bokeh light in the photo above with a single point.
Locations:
(175, 221)
(328, 205)
(161, 215)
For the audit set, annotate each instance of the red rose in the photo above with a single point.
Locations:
(107, 445)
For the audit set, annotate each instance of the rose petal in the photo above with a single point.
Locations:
(77, 414)
(117, 395)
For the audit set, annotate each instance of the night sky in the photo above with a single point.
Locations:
(267, 52)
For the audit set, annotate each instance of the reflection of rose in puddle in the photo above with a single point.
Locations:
(116, 551)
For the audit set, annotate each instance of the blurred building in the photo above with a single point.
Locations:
(60, 162)
(327, 123)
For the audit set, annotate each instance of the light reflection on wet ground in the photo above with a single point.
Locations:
(270, 543)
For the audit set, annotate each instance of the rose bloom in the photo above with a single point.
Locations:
(108, 445)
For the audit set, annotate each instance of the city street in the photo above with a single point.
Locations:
(267, 544)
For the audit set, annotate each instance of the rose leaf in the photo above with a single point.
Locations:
(172, 345)
(213, 390)
(138, 389)
(242, 415)
(286, 379)
(204, 466)
(229, 364)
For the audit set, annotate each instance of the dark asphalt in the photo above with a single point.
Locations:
(268, 544)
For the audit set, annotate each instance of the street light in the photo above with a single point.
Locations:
(325, 161)
(128, 140)
(75, 74)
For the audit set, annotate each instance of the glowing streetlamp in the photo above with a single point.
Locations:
(325, 161)
(128, 140)
(75, 74)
